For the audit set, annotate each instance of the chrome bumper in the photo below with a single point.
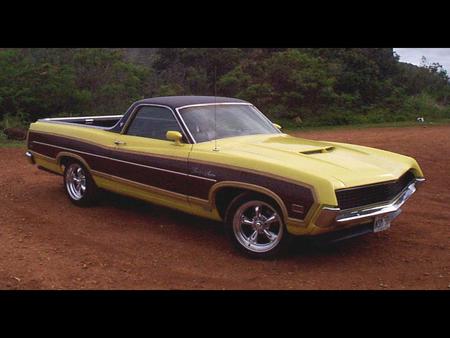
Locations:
(30, 157)
(337, 217)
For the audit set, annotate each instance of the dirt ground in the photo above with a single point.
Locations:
(47, 243)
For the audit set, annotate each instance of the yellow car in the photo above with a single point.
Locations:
(222, 159)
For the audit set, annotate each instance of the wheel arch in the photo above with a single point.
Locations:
(63, 156)
(220, 199)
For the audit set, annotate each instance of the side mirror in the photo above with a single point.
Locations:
(277, 126)
(174, 136)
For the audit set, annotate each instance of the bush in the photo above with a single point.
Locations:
(319, 86)
(425, 105)
(90, 81)
(12, 121)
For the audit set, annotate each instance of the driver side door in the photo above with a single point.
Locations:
(155, 166)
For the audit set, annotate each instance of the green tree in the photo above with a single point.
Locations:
(319, 85)
(289, 83)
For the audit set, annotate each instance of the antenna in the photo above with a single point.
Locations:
(215, 110)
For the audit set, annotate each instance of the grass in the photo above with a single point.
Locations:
(372, 125)
(5, 143)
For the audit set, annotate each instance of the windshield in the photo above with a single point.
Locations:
(230, 120)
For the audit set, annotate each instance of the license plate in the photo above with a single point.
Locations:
(383, 222)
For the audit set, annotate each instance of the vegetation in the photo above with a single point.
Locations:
(4, 142)
(296, 87)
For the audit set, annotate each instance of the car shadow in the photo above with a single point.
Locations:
(310, 247)
(162, 213)
(303, 247)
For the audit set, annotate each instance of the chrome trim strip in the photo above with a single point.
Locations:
(267, 119)
(193, 141)
(214, 104)
(331, 209)
(202, 178)
(127, 162)
(101, 117)
(66, 121)
(77, 125)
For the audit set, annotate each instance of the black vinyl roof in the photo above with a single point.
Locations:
(180, 101)
(173, 102)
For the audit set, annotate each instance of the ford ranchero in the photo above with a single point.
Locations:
(222, 159)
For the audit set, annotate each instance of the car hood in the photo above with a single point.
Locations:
(347, 165)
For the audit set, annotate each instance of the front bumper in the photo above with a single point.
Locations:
(336, 218)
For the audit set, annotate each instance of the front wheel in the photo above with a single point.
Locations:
(255, 226)
(79, 185)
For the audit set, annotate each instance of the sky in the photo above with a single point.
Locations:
(414, 56)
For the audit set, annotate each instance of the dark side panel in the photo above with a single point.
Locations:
(289, 192)
(169, 173)
(150, 170)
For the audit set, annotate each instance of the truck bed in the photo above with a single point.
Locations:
(102, 122)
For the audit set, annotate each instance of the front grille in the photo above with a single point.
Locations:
(360, 196)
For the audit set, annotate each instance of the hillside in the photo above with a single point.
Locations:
(299, 87)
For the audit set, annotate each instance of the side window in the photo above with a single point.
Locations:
(153, 122)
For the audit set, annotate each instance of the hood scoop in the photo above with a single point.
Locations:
(317, 150)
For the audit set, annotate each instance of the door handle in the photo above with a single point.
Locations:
(118, 143)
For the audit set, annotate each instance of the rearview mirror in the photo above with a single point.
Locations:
(174, 136)
(277, 126)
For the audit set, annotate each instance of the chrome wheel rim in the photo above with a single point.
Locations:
(76, 181)
(257, 226)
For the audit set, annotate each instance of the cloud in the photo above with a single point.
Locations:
(414, 56)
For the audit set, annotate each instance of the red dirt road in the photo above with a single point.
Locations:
(47, 243)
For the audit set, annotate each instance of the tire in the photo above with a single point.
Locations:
(247, 226)
(79, 185)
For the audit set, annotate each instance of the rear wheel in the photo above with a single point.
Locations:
(255, 226)
(79, 185)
